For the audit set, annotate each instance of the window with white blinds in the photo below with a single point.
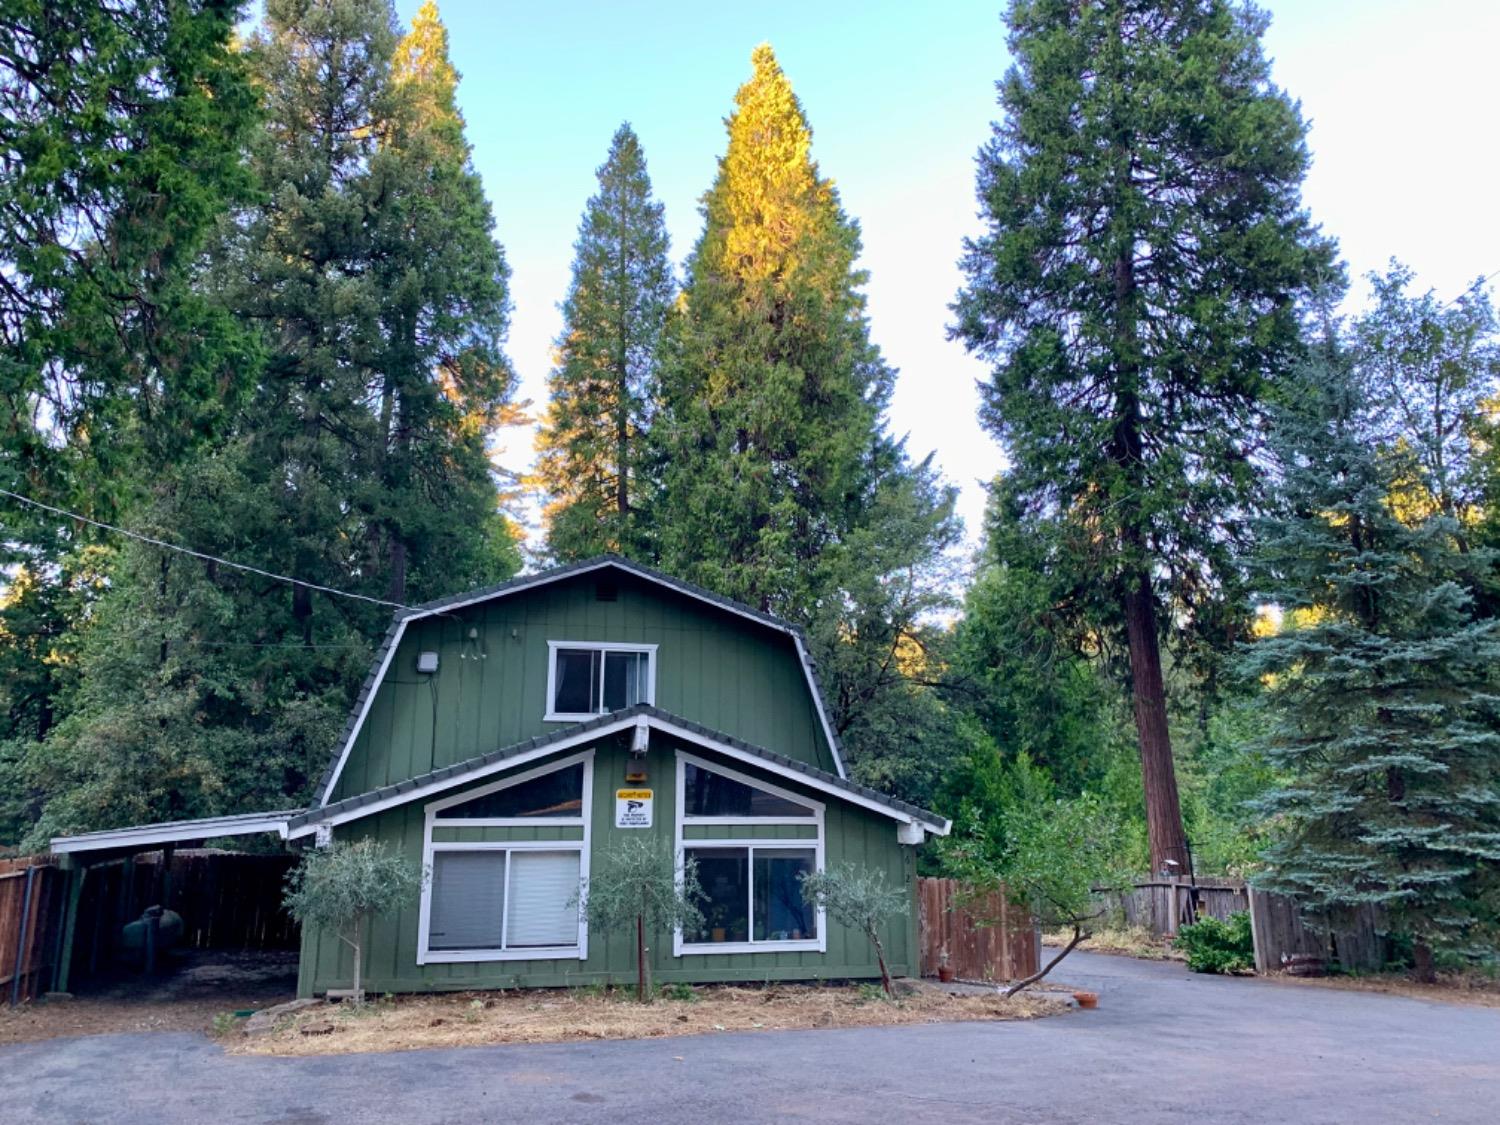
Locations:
(468, 900)
(542, 890)
(504, 900)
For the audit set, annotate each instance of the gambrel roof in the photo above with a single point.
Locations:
(402, 618)
(461, 773)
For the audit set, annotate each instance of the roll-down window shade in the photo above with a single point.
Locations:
(468, 900)
(542, 886)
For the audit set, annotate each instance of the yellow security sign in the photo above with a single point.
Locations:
(633, 808)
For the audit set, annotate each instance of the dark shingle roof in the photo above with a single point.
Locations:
(459, 770)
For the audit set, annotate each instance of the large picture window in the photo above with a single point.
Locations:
(584, 680)
(509, 898)
(753, 894)
(752, 884)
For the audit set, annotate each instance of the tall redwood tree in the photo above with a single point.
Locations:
(1135, 289)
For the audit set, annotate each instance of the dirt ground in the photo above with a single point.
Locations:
(1451, 988)
(1122, 942)
(193, 988)
(554, 1016)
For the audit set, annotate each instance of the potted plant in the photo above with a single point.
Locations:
(719, 930)
(945, 970)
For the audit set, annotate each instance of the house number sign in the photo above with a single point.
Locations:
(632, 808)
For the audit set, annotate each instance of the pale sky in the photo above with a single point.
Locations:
(1401, 96)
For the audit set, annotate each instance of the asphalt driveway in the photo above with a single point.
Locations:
(1164, 1046)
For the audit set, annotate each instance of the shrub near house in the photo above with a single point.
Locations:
(509, 740)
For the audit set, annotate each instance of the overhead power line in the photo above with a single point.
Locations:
(165, 546)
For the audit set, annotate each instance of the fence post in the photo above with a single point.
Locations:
(73, 897)
(21, 942)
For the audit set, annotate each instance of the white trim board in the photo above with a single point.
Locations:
(557, 576)
(168, 833)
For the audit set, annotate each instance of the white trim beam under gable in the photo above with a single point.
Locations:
(558, 575)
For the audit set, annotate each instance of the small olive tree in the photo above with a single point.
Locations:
(860, 899)
(341, 887)
(637, 883)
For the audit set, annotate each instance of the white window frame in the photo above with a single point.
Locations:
(815, 845)
(580, 950)
(594, 646)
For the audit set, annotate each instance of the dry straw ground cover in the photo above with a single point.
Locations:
(473, 1019)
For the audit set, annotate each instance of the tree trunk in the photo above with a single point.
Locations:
(397, 591)
(1422, 967)
(354, 944)
(640, 958)
(885, 976)
(1079, 937)
(1149, 697)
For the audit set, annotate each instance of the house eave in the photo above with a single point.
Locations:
(437, 781)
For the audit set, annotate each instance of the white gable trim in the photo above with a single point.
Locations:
(757, 762)
(421, 791)
(545, 579)
(749, 758)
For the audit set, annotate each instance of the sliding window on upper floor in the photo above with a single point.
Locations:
(585, 679)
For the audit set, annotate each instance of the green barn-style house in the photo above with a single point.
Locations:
(509, 737)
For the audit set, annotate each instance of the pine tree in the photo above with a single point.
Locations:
(1135, 291)
(780, 484)
(1381, 680)
(605, 383)
(435, 515)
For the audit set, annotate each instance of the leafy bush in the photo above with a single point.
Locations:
(1213, 946)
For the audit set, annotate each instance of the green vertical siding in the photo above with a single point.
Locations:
(851, 834)
(713, 667)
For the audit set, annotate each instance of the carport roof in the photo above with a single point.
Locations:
(174, 831)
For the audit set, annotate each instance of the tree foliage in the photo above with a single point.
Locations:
(1135, 291)
(592, 458)
(363, 268)
(1012, 833)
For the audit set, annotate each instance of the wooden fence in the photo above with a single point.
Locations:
(31, 907)
(1282, 932)
(987, 938)
(1163, 905)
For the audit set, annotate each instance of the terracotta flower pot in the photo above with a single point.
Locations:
(945, 973)
(1087, 999)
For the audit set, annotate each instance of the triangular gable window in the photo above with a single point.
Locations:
(555, 794)
(709, 794)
